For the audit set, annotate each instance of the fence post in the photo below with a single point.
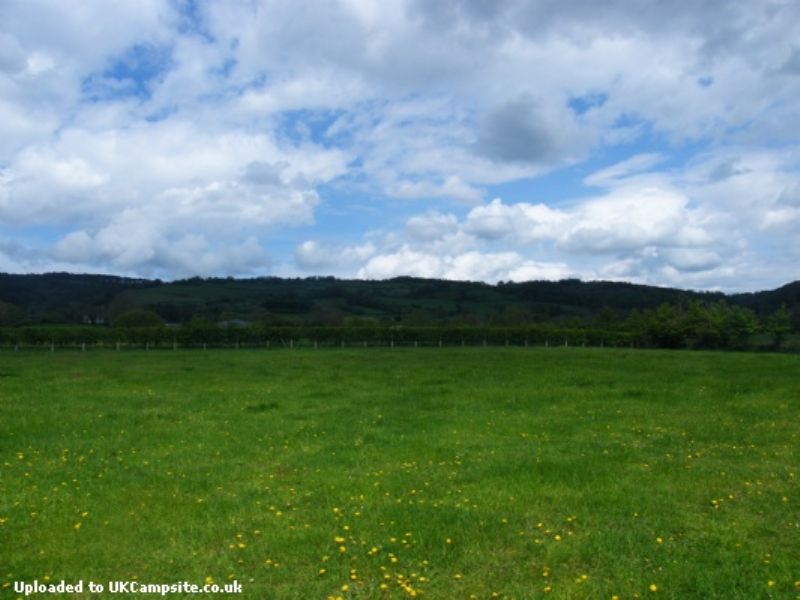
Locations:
(83, 346)
(174, 344)
(147, 346)
(526, 342)
(566, 343)
(52, 346)
(440, 342)
(315, 344)
(365, 343)
(117, 345)
(291, 343)
(547, 343)
(205, 346)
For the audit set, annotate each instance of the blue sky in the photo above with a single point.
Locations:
(510, 140)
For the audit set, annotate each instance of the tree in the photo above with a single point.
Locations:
(663, 327)
(607, 319)
(138, 317)
(779, 324)
(740, 325)
(10, 314)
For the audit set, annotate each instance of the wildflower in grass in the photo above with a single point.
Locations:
(342, 549)
(457, 576)
(77, 525)
(322, 571)
(653, 587)
(338, 539)
(547, 589)
(345, 588)
(659, 540)
(209, 580)
(770, 583)
(557, 537)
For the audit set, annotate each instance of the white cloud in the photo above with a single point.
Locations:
(468, 266)
(431, 226)
(313, 256)
(183, 132)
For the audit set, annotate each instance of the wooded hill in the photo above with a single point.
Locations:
(63, 298)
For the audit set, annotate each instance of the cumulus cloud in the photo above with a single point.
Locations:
(159, 129)
(313, 256)
(469, 266)
(524, 130)
(431, 226)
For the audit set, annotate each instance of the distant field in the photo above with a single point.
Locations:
(394, 473)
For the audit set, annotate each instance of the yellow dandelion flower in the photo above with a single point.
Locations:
(771, 583)
(557, 537)
(547, 589)
(323, 571)
(342, 549)
(653, 587)
(77, 525)
(659, 540)
(345, 587)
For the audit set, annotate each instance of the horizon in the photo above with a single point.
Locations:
(458, 141)
(395, 277)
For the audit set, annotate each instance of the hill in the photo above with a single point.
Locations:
(76, 298)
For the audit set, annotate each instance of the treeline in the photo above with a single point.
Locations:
(690, 325)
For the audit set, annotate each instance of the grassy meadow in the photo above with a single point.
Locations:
(397, 473)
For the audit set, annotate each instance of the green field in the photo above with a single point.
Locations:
(455, 473)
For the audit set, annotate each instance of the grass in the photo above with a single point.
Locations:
(455, 473)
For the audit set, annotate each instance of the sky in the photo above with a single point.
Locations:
(649, 141)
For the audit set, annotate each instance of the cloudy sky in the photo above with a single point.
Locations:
(648, 141)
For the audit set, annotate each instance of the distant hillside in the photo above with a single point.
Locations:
(69, 298)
